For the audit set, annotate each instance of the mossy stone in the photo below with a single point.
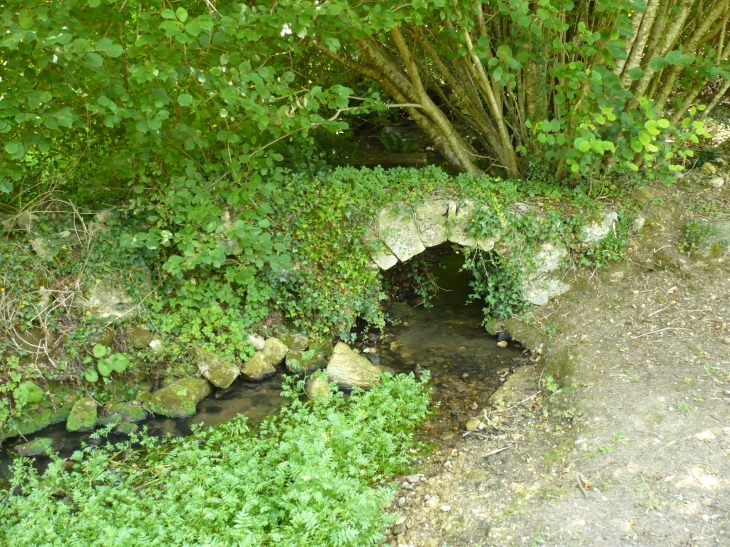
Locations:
(304, 361)
(218, 371)
(180, 400)
(257, 367)
(139, 337)
(30, 421)
(83, 415)
(295, 341)
(123, 412)
(36, 447)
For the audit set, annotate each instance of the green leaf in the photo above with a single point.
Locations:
(94, 3)
(5, 186)
(182, 14)
(114, 50)
(28, 393)
(167, 14)
(663, 123)
(91, 375)
(105, 367)
(184, 99)
(99, 351)
(119, 362)
(524, 21)
(644, 137)
(636, 73)
(582, 144)
(94, 60)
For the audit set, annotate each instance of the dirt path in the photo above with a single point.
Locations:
(634, 448)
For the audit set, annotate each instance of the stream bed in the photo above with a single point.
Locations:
(447, 339)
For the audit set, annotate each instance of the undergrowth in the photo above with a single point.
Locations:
(315, 474)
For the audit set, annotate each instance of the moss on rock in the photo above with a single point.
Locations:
(218, 371)
(123, 412)
(180, 400)
(83, 415)
(36, 447)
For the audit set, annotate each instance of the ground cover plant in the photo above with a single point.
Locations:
(312, 475)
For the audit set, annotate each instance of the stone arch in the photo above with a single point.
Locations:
(403, 235)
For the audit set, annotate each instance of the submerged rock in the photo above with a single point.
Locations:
(83, 415)
(350, 369)
(179, 400)
(123, 412)
(36, 447)
(126, 429)
(218, 371)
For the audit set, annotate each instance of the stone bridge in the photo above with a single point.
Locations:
(436, 221)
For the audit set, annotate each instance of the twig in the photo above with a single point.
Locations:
(580, 485)
(514, 405)
(661, 310)
(497, 451)
(655, 331)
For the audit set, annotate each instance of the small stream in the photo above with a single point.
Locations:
(446, 339)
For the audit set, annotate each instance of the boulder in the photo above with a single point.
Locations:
(36, 447)
(539, 291)
(218, 371)
(274, 351)
(304, 361)
(549, 258)
(400, 234)
(317, 386)
(257, 367)
(180, 399)
(308, 361)
(431, 218)
(139, 337)
(83, 415)
(599, 227)
(350, 369)
(522, 383)
(295, 341)
(707, 241)
(123, 412)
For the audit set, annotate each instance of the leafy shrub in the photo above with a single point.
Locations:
(313, 475)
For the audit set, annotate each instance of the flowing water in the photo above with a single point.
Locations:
(447, 339)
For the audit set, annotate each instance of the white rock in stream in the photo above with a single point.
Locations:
(350, 369)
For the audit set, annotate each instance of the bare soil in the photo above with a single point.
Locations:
(618, 430)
